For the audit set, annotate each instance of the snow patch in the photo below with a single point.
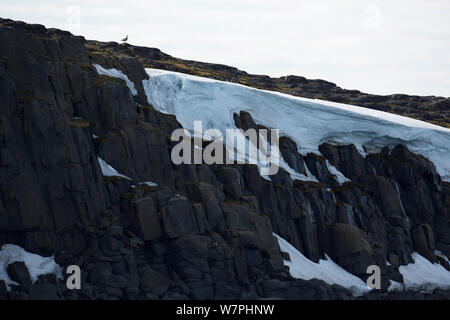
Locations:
(148, 183)
(443, 256)
(109, 171)
(116, 74)
(424, 275)
(395, 286)
(309, 122)
(297, 175)
(36, 264)
(327, 270)
(340, 178)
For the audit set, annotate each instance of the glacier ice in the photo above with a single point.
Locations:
(309, 122)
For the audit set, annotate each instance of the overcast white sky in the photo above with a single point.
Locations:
(378, 47)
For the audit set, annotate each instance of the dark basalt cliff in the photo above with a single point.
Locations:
(205, 232)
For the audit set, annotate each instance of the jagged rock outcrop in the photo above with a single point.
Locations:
(203, 232)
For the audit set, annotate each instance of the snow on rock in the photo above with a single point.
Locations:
(36, 264)
(395, 286)
(301, 267)
(443, 256)
(309, 122)
(340, 178)
(296, 175)
(116, 74)
(148, 183)
(424, 275)
(109, 171)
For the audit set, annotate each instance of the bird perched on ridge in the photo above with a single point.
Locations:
(124, 39)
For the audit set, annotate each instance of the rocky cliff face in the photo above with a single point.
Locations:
(204, 232)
